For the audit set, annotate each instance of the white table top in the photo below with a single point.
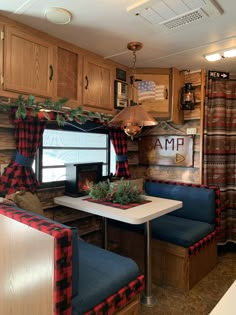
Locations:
(136, 215)
(227, 304)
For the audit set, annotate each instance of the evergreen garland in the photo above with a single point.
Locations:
(117, 192)
(51, 110)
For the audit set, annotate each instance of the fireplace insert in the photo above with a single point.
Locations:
(80, 175)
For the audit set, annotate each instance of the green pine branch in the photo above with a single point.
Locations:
(62, 113)
(116, 192)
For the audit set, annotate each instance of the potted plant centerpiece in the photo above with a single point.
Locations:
(121, 192)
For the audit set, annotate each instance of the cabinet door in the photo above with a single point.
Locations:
(177, 82)
(1, 54)
(67, 73)
(98, 87)
(160, 108)
(168, 84)
(28, 63)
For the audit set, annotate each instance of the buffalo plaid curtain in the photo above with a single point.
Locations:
(19, 174)
(119, 141)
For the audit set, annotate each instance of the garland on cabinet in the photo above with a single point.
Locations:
(50, 110)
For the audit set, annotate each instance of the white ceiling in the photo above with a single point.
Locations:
(105, 27)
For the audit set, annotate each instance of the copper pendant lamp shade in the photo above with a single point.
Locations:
(133, 117)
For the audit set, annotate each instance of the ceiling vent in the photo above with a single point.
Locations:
(171, 15)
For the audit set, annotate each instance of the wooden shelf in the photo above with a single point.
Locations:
(88, 231)
(7, 126)
(89, 226)
(66, 215)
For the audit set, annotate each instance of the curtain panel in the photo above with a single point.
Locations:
(219, 150)
(19, 174)
(119, 141)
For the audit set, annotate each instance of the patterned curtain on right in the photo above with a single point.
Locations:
(219, 153)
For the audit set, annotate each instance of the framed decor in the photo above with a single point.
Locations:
(121, 74)
(171, 150)
(120, 94)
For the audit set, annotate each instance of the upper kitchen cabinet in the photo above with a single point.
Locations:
(161, 97)
(28, 63)
(98, 80)
(68, 74)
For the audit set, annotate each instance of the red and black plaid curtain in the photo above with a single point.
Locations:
(119, 141)
(19, 174)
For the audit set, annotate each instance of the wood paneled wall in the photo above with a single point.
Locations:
(7, 141)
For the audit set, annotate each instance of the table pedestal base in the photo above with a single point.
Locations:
(148, 300)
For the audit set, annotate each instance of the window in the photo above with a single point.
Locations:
(60, 147)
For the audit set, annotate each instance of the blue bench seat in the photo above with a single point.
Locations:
(182, 240)
(180, 231)
(101, 274)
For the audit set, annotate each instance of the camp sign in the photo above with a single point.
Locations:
(166, 150)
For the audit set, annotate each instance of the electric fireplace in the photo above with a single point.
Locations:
(78, 177)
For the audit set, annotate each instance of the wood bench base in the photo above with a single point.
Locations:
(171, 264)
(133, 308)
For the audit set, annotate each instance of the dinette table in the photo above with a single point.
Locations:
(152, 208)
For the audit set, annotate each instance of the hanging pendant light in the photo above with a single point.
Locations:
(133, 117)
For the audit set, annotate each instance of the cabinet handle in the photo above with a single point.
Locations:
(166, 94)
(87, 82)
(51, 72)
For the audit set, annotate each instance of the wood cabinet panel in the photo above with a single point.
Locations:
(170, 82)
(177, 81)
(159, 108)
(98, 87)
(28, 63)
(67, 75)
(1, 54)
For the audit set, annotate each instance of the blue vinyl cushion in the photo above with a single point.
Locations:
(198, 203)
(180, 231)
(101, 274)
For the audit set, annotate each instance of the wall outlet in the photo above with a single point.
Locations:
(191, 131)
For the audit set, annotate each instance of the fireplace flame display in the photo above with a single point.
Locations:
(80, 176)
(86, 179)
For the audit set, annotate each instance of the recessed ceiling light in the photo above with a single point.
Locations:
(230, 53)
(58, 15)
(221, 54)
(213, 57)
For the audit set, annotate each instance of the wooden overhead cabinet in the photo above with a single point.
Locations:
(165, 104)
(98, 80)
(68, 67)
(28, 63)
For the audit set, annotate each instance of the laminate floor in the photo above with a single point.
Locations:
(203, 297)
